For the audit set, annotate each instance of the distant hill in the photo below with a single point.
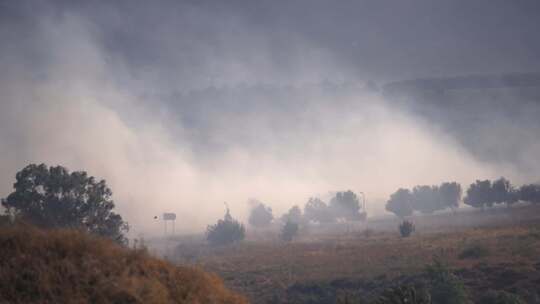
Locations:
(66, 266)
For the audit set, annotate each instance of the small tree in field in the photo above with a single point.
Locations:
(317, 210)
(261, 215)
(289, 231)
(406, 228)
(345, 205)
(479, 194)
(400, 203)
(426, 199)
(450, 195)
(294, 215)
(530, 193)
(53, 197)
(504, 192)
(225, 231)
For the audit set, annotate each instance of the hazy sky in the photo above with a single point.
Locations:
(181, 105)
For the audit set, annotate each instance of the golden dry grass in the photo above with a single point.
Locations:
(63, 266)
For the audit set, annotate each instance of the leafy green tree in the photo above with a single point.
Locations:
(261, 215)
(345, 205)
(53, 197)
(400, 203)
(479, 194)
(225, 231)
(450, 195)
(289, 231)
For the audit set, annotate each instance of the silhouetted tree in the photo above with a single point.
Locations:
(225, 231)
(289, 231)
(53, 197)
(450, 195)
(530, 193)
(294, 215)
(503, 192)
(261, 215)
(400, 203)
(345, 205)
(316, 210)
(479, 194)
(426, 199)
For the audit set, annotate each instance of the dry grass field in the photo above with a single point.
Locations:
(495, 249)
(67, 266)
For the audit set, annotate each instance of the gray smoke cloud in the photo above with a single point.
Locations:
(184, 105)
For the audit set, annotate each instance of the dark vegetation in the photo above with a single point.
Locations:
(406, 228)
(425, 199)
(481, 194)
(225, 231)
(475, 251)
(343, 206)
(289, 231)
(260, 215)
(69, 266)
(293, 215)
(53, 197)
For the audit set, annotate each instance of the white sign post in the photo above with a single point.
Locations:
(169, 217)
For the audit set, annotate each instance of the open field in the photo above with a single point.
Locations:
(502, 252)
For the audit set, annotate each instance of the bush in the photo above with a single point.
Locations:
(474, 252)
(225, 231)
(289, 231)
(444, 286)
(406, 228)
(404, 294)
(500, 297)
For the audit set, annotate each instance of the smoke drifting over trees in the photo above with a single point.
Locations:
(192, 104)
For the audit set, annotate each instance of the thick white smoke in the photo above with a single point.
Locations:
(72, 107)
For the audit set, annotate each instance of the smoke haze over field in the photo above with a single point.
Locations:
(183, 105)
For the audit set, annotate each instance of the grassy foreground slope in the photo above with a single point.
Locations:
(64, 266)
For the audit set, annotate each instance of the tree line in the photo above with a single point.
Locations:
(344, 206)
(481, 194)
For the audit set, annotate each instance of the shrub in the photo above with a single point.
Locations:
(444, 286)
(289, 231)
(406, 228)
(474, 252)
(404, 294)
(500, 297)
(225, 231)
